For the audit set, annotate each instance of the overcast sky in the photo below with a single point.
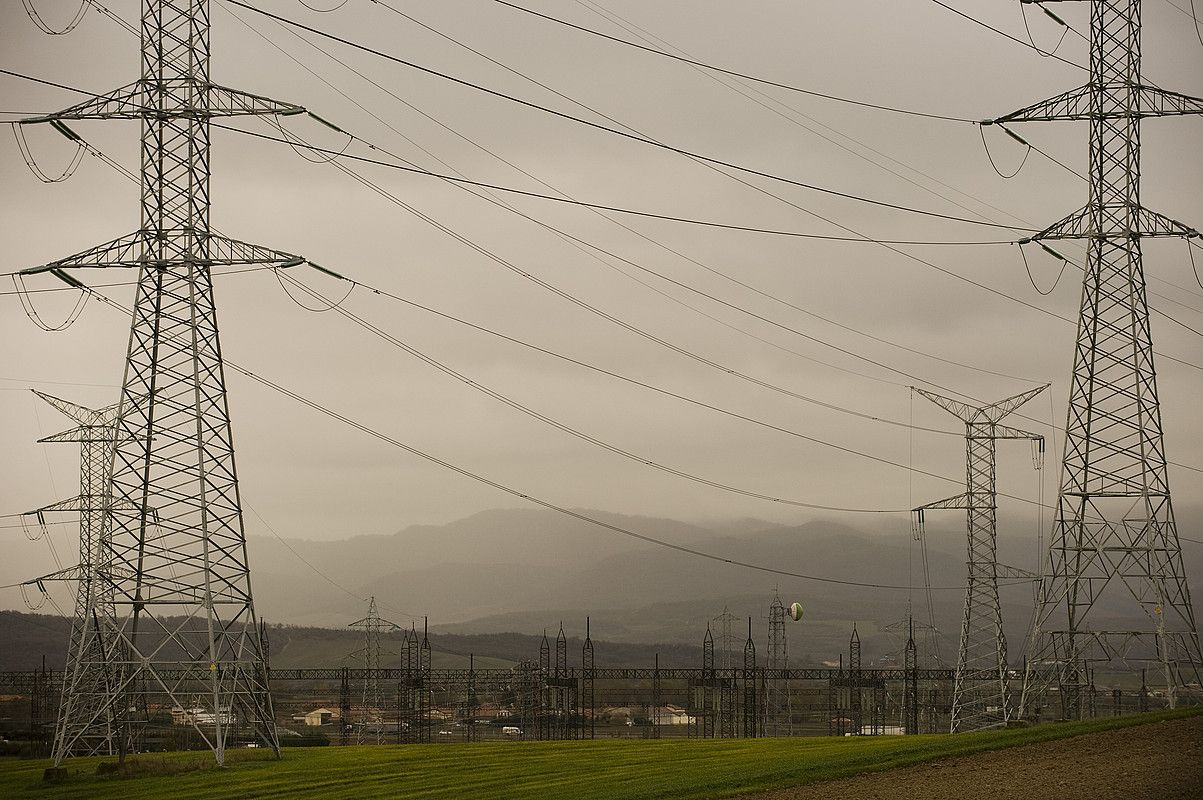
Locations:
(311, 477)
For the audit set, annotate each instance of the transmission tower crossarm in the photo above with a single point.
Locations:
(963, 500)
(86, 417)
(975, 415)
(87, 502)
(75, 572)
(1009, 571)
(184, 97)
(1081, 225)
(83, 433)
(1075, 105)
(137, 250)
(1007, 432)
(72, 573)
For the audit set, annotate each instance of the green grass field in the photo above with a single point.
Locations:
(626, 769)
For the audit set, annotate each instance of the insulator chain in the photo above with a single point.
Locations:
(918, 528)
(37, 20)
(1038, 454)
(43, 531)
(44, 595)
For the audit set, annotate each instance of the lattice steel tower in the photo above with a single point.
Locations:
(777, 712)
(979, 703)
(726, 665)
(1115, 543)
(374, 629)
(84, 730)
(183, 623)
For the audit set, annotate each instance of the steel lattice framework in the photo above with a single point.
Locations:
(374, 629)
(1115, 543)
(976, 704)
(910, 690)
(776, 698)
(85, 724)
(176, 566)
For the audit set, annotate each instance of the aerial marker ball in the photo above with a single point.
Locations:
(795, 611)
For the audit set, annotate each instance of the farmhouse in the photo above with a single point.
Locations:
(317, 717)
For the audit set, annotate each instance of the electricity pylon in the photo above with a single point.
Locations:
(977, 703)
(374, 628)
(910, 689)
(726, 666)
(183, 621)
(776, 692)
(1115, 544)
(86, 679)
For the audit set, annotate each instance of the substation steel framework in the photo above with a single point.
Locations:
(176, 567)
(1115, 543)
(82, 730)
(976, 704)
(777, 711)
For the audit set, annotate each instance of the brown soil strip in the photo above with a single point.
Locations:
(1158, 761)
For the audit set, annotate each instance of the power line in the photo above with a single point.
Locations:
(325, 576)
(694, 289)
(578, 242)
(611, 318)
(859, 237)
(608, 15)
(484, 251)
(732, 73)
(571, 431)
(587, 248)
(659, 466)
(713, 271)
(598, 206)
(651, 387)
(1006, 35)
(760, 97)
(634, 329)
(397, 201)
(45, 82)
(628, 26)
(96, 152)
(615, 131)
(514, 492)
(392, 198)
(632, 28)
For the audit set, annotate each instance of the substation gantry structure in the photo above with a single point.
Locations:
(1114, 552)
(981, 704)
(174, 560)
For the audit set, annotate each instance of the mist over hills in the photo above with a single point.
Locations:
(523, 571)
